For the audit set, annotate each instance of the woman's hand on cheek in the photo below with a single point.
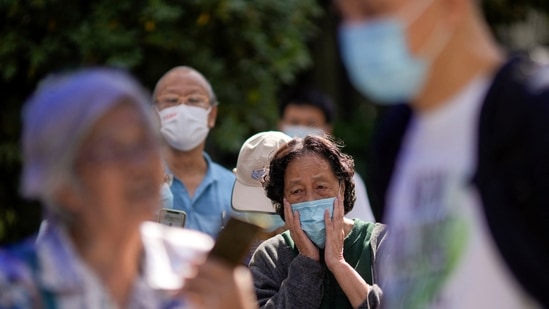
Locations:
(302, 241)
(335, 235)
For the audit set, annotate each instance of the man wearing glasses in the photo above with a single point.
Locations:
(187, 107)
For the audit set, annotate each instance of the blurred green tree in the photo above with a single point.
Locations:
(247, 49)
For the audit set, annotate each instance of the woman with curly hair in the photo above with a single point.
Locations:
(323, 260)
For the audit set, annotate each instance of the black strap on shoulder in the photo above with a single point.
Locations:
(513, 174)
(386, 143)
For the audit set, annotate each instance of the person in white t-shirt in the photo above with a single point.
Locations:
(306, 110)
(443, 189)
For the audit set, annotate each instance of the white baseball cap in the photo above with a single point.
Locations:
(253, 159)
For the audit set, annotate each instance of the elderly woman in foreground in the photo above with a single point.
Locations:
(324, 260)
(91, 156)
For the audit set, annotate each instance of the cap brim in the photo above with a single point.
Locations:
(246, 198)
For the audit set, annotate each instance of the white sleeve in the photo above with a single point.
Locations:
(362, 209)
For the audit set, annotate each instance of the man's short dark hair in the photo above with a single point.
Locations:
(308, 96)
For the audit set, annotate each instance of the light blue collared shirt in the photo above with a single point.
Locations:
(210, 206)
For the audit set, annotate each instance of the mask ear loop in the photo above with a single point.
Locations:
(434, 45)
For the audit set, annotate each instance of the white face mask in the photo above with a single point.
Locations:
(301, 131)
(184, 127)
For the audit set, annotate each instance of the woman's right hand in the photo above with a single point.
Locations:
(305, 246)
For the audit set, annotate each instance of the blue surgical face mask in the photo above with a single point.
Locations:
(301, 131)
(268, 221)
(275, 223)
(379, 62)
(311, 216)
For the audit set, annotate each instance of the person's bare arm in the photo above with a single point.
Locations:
(353, 285)
(217, 285)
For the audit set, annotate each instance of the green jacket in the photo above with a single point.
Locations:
(285, 279)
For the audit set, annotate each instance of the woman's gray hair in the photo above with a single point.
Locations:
(58, 116)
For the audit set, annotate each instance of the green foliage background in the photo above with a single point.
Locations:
(249, 50)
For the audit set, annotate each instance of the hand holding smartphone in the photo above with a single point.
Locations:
(172, 217)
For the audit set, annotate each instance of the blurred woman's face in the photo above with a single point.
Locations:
(309, 177)
(119, 171)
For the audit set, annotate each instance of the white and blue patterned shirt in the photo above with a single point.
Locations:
(50, 274)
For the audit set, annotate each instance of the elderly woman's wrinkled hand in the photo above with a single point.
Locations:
(302, 241)
(335, 235)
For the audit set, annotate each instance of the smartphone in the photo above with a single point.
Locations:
(234, 241)
(172, 217)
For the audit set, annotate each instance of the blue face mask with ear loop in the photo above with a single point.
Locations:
(311, 217)
(301, 131)
(268, 221)
(378, 60)
(276, 222)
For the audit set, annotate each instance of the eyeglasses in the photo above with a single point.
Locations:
(170, 100)
(114, 153)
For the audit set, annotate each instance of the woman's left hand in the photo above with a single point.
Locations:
(333, 253)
